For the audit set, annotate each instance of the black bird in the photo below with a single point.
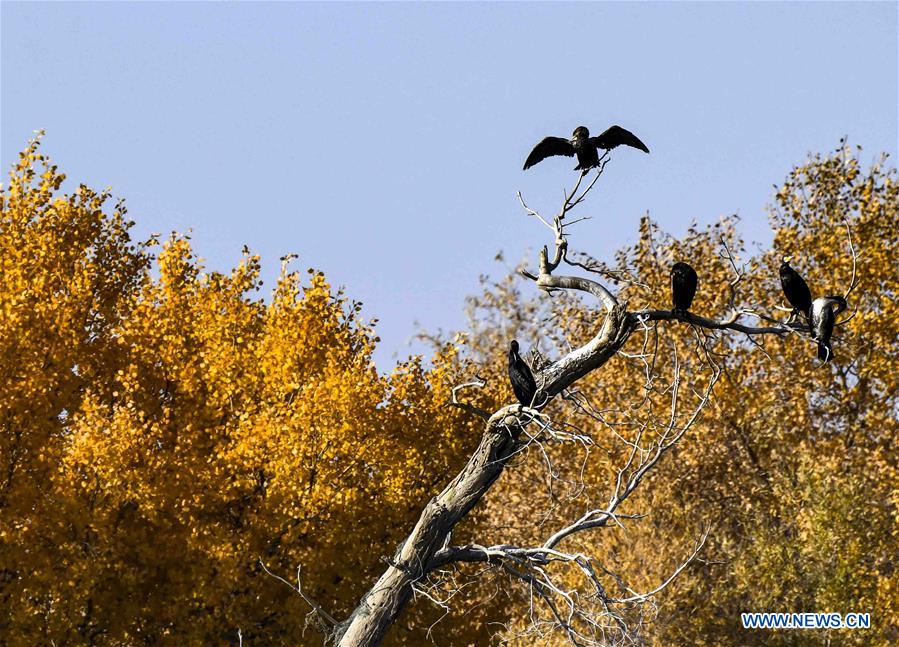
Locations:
(520, 376)
(824, 315)
(683, 288)
(584, 146)
(796, 290)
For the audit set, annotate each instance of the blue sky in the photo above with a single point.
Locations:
(383, 143)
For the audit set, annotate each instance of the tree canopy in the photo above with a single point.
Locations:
(794, 465)
(166, 431)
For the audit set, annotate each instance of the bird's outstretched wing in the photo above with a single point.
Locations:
(547, 148)
(616, 136)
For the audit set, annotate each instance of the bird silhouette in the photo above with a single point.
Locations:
(683, 287)
(523, 383)
(584, 146)
(796, 290)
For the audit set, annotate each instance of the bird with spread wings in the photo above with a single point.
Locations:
(584, 146)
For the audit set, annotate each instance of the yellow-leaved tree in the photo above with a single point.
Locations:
(165, 434)
(793, 465)
(168, 436)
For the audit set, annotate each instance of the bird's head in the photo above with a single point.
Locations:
(580, 132)
(513, 346)
(786, 259)
(839, 304)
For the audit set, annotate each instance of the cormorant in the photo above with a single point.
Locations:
(683, 288)
(584, 146)
(795, 289)
(523, 383)
(824, 316)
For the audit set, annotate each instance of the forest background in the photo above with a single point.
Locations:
(169, 424)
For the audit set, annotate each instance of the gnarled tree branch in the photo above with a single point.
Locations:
(426, 549)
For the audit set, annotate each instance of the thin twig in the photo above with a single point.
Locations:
(299, 589)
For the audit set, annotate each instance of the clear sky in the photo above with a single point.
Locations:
(383, 143)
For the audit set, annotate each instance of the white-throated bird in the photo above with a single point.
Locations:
(824, 316)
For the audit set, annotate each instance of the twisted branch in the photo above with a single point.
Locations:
(427, 549)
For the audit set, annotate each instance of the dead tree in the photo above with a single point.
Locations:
(428, 548)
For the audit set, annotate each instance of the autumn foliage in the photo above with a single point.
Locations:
(793, 465)
(165, 430)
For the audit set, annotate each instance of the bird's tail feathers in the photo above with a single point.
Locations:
(825, 352)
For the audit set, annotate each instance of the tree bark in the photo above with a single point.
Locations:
(380, 607)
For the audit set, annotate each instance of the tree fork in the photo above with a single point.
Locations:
(426, 548)
(385, 600)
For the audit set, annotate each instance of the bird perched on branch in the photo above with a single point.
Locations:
(796, 290)
(824, 313)
(683, 288)
(523, 383)
(584, 146)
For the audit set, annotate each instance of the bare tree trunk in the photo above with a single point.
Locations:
(380, 607)
(427, 546)
(384, 601)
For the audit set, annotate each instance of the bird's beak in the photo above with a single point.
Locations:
(787, 258)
